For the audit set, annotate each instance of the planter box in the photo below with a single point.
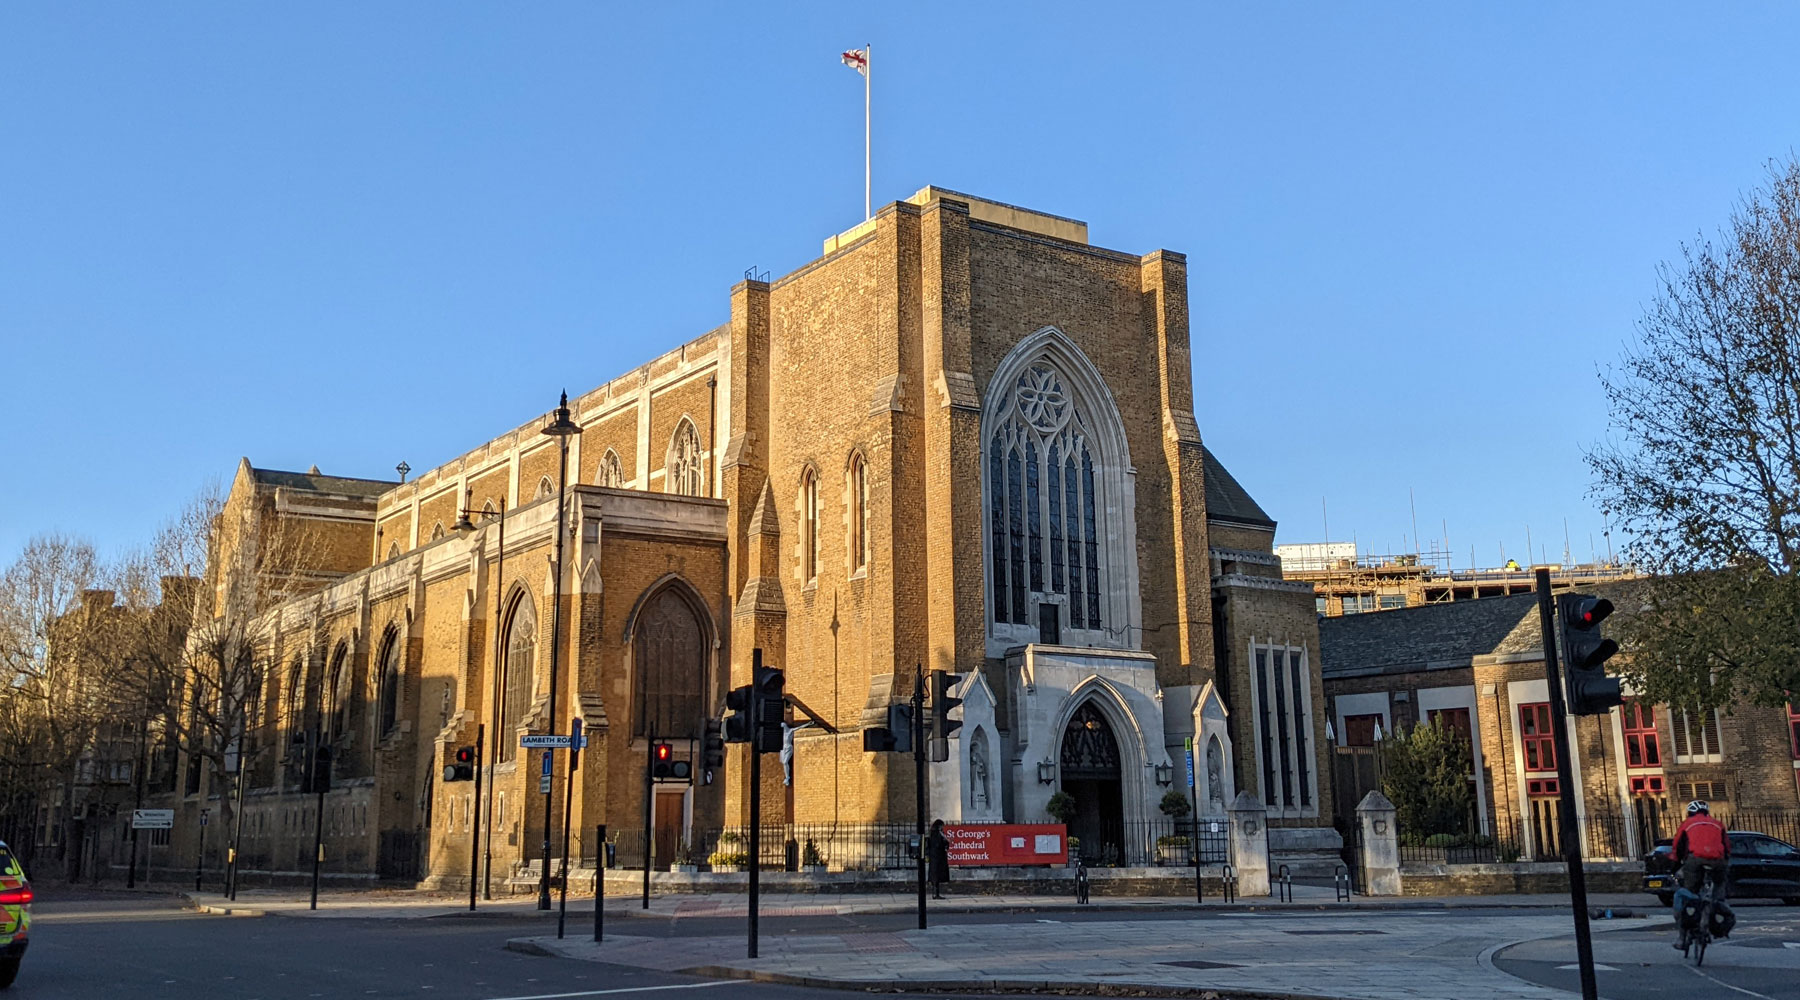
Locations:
(684, 869)
(813, 869)
(728, 868)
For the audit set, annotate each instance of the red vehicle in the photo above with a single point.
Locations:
(1761, 867)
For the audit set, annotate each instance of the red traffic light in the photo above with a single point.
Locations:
(1590, 611)
(465, 755)
(664, 751)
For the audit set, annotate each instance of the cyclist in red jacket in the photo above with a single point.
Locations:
(1701, 848)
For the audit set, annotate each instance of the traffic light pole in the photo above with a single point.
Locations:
(312, 773)
(1568, 828)
(562, 904)
(919, 778)
(475, 837)
(755, 832)
(649, 781)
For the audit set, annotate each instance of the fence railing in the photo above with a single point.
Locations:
(1610, 831)
(883, 846)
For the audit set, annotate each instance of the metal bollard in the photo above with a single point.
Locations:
(1284, 885)
(1228, 876)
(1081, 884)
(1341, 879)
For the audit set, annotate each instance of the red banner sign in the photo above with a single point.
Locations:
(974, 844)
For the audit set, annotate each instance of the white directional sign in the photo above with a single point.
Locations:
(544, 741)
(153, 819)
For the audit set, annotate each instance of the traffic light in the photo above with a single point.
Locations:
(320, 782)
(896, 736)
(1584, 654)
(942, 725)
(737, 721)
(769, 701)
(712, 746)
(662, 760)
(462, 767)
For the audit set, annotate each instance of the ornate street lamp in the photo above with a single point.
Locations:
(465, 527)
(561, 428)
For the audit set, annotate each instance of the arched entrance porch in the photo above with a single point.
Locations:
(1090, 771)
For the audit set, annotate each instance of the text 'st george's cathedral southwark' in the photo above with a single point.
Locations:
(963, 438)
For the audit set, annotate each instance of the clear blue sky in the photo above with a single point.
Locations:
(351, 234)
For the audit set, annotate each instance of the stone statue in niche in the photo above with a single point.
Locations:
(787, 750)
(978, 771)
(1215, 772)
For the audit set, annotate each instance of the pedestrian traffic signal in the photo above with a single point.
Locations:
(462, 767)
(664, 765)
(712, 746)
(769, 699)
(895, 737)
(942, 725)
(737, 720)
(1584, 654)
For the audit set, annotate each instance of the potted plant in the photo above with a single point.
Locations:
(1171, 849)
(1074, 851)
(730, 855)
(810, 859)
(1062, 808)
(684, 859)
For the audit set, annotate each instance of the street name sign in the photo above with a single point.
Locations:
(544, 741)
(153, 819)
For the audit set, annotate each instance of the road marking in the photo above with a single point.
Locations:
(628, 989)
(1597, 967)
(1739, 989)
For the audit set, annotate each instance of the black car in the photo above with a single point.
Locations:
(1761, 868)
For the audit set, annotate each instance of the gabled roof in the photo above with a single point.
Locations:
(1226, 500)
(1429, 637)
(321, 483)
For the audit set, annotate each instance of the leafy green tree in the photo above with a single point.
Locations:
(1703, 468)
(1425, 773)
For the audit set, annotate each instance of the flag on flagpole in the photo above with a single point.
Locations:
(858, 60)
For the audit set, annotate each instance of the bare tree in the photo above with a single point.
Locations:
(1704, 473)
(58, 668)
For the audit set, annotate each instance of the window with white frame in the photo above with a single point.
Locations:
(686, 462)
(611, 472)
(1694, 736)
(856, 487)
(1280, 683)
(809, 526)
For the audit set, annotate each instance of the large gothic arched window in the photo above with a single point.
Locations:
(520, 681)
(1057, 501)
(668, 650)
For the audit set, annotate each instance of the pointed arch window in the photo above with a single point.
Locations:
(437, 531)
(1056, 504)
(388, 685)
(611, 472)
(809, 526)
(519, 683)
(686, 462)
(546, 487)
(338, 686)
(857, 487)
(668, 648)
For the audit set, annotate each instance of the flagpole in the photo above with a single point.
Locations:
(868, 74)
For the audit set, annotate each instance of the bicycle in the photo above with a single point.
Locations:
(1695, 939)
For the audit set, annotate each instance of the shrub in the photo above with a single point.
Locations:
(1174, 804)
(1061, 807)
(1441, 840)
(810, 856)
(722, 857)
(1172, 840)
(1425, 773)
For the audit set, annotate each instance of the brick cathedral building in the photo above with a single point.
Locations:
(962, 440)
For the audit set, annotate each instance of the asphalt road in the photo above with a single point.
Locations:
(1760, 959)
(90, 946)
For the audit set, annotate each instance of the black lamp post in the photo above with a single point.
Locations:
(485, 866)
(560, 428)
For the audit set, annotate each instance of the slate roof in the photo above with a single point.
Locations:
(1226, 500)
(1430, 637)
(320, 483)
